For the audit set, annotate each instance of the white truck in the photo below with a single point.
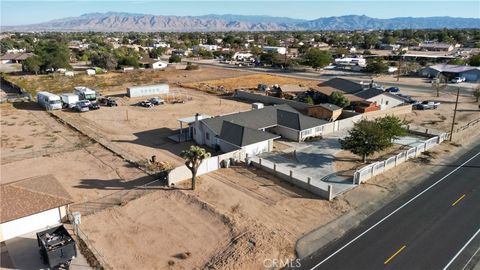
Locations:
(49, 101)
(85, 93)
(69, 100)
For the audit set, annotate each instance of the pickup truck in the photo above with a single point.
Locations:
(458, 79)
(427, 105)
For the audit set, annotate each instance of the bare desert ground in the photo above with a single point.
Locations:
(144, 132)
(162, 230)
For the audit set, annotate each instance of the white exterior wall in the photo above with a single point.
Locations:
(385, 102)
(285, 132)
(312, 132)
(257, 148)
(17, 227)
(148, 90)
(159, 65)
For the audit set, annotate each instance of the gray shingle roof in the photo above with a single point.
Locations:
(343, 85)
(264, 118)
(242, 136)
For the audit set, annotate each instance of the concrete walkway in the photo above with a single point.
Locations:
(315, 160)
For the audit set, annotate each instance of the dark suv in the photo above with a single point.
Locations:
(106, 101)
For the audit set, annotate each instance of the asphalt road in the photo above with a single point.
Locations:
(434, 226)
(451, 88)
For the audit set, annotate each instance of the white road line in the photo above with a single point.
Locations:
(396, 210)
(471, 258)
(460, 251)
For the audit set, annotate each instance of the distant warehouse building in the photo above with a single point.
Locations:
(148, 90)
(471, 74)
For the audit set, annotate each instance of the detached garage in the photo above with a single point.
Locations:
(31, 204)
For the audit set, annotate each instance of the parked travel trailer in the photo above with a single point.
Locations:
(85, 93)
(49, 101)
(69, 100)
(148, 90)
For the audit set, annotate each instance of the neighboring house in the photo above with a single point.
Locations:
(147, 62)
(30, 205)
(343, 85)
(206, 47)
(279, 50)
(239, 56)
(432, 46)
(326, 111)
(15, 57)
(471, 74)
(384, 100)
(390, 47)
(351, 62)
(255, 130)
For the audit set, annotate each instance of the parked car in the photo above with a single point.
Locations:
(146, 104)
(82, 106)
(392, 89)
(427, 105)
(408, 99)
(157, 101)
(458, 79)
(94, 106)
(107, 101)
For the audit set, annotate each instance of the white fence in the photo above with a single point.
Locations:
(208, 165)
(367, 172)
(316, 186)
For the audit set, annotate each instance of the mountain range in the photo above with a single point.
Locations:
(126, 22)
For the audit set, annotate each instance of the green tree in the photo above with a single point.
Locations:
(474, 60)
(377, 67)
(317, 58)
(339, 99)
(193, 159)
(392, 127)
(32, 64)
(476, 94)
(457, 61)
(157, 52)
(53, 54)
(175, 59)
(309, 100)
(104, 60)
(365, 139)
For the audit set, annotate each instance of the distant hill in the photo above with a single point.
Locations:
(125, 22)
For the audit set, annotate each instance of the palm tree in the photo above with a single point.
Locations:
(193, 159)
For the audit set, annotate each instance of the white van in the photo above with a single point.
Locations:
(49, 101)
(69, 100)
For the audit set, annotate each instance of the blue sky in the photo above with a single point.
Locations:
(15, 12)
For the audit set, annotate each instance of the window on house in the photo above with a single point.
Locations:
(207, 135)
(386, 102)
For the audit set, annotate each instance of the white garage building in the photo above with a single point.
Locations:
(31, 204)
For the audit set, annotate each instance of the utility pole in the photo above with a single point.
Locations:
(454, 114)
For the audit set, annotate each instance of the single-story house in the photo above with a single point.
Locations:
(255, 130)
(15, 57)
(147, 62)
(433, 46)
(471, 74)
(326, 111)
(384, 100)
(31, 204)
(279, 50)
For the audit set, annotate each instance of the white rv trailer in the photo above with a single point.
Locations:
(85, 93)
(49, 101)
(148, 90)
(69, 100)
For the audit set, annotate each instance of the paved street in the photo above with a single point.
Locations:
(434, 226)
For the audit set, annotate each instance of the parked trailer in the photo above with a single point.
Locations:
(148, 90)
(49, 101)
(69, 100)
(57, 247)
(85, 93)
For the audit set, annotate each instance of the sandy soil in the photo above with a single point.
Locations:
(162, 227)
(34, 143)
(144, 131)
(118, 81)
(250, 82)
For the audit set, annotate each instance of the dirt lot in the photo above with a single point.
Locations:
(118, 81)
(144, 131)
(34, 144)
(162, 229)
(249, 81)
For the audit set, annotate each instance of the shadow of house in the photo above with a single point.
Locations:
(121, 184)
(27, 106)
